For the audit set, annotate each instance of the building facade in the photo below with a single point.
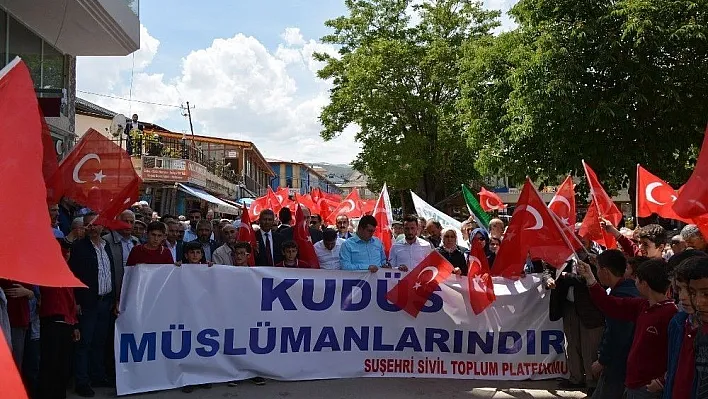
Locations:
(49, 34)
(359, 181)
(300, 178)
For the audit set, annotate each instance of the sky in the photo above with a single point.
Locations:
(245, 67)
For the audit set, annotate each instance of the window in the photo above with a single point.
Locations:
(52, 68)
(25, 44)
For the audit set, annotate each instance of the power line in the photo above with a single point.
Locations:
(129, 100)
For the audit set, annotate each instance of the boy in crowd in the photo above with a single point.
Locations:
(290, 259)
(646, 363)
(193, 254)
(687, 369)
(652, 240)
(241, 251)
(153, 252)
(611, 365)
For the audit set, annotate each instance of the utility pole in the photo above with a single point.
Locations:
(191, 127)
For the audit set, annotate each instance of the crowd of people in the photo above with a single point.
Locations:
(638, 333)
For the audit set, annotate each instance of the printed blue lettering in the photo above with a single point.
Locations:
(148, 342)
(475, 341)
(436, 336)
(348, 303)
(378, 340)
(327, 339)
(287, 337)
(185, 347)
(254, 341)
(503, 348)
(230, 342)
(436, 303)
(530, 342)
(381, 291)
(308, 294)
(361, 340)
(204, 337)
(457, 341)
(409, 339)
(551, 338)
(270, 294)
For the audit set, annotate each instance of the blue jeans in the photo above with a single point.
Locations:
(93, 325)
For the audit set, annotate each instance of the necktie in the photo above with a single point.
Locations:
(269, 252)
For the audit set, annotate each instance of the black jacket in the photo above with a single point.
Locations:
(287, 234)
(179, 250)
(617, 337)
(590, 316)
(458, 258)
(261, 256)
(83, 262)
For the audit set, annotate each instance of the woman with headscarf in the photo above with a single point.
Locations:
(482, 235)
(454, 254)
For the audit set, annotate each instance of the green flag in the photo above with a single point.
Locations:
(475, 208)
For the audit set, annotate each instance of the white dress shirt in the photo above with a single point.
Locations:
(329, 259)
(403, 253)
(104, 269)
(127, 245)
(173, 250)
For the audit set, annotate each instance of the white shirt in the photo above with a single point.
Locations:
(329, 260)
(127, 245)
(403, 253)
(173, 250)
(104, 269)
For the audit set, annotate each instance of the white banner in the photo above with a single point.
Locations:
(429, 212)
(194, 324)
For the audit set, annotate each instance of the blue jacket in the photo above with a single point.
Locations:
(617, 337)
(676, 333)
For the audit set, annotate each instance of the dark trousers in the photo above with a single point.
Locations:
(30, 365)
(110, 353)
(90, 353)
(55, 359)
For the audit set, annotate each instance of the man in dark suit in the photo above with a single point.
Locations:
(269, 242)
(583, 324)
(285, 216)
(315, 234)
(342, 222)
(91, 262)
(204, 234)
(173, 243)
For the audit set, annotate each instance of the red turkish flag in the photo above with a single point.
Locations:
(692, 201)
(655, 196)
(479, 279)
(128, 196)
(382, 212)
(283, 194)
(316, 194)
(95, 172)
(563, 203)
(32, 255)
(246, 234)
(351, 207)
(605, 206)
(412, 292)
(326, 208)
(268, 201)
(367, 206)
(490, 201)
(333, 197)
(533, 230)
(307, 201)
(301, 236)
(591, 229)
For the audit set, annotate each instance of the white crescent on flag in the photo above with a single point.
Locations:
(536, 216)
(561, 199)
(81, 163)
(649, 193)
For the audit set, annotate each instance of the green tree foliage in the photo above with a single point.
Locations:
(614, 82)
(396, 81)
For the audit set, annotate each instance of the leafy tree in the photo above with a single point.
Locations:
(614, 82)
(397, 81)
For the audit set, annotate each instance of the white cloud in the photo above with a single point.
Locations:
(240, 88)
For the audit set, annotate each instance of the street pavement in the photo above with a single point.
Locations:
(367, 388)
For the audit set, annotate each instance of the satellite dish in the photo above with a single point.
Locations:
(118, 125)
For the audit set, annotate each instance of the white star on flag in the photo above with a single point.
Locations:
(99, 176)
(565, 221)
(416, 285)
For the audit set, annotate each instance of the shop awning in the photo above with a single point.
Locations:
(221, 206)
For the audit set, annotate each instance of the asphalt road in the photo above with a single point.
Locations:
(367, 388)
